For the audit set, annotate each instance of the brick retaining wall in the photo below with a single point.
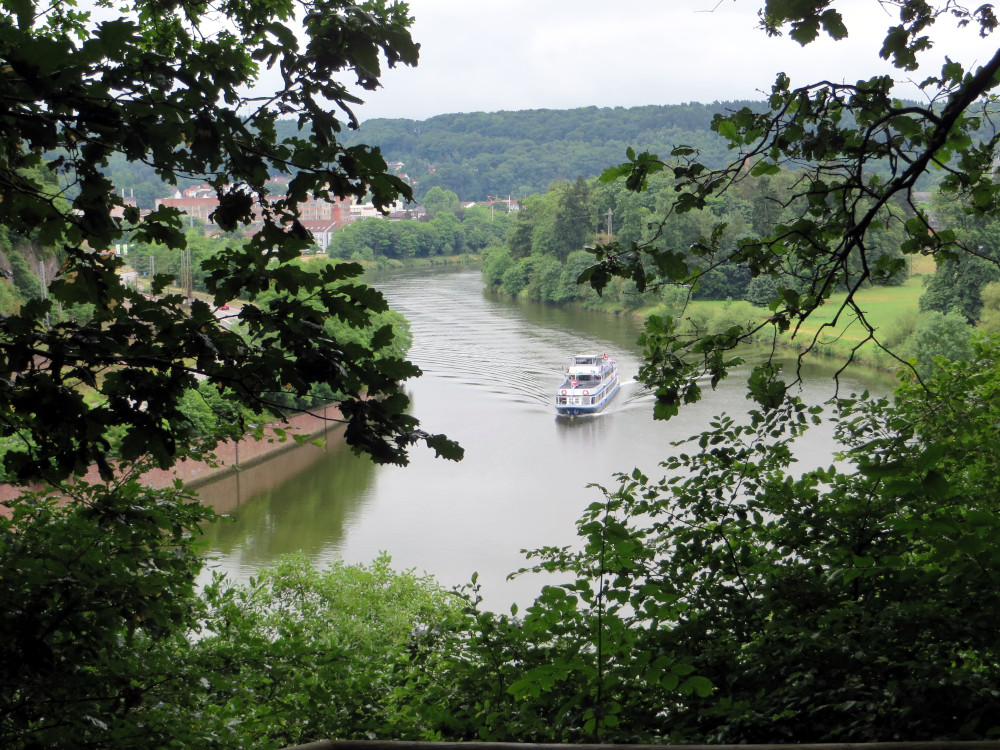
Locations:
(231, 455)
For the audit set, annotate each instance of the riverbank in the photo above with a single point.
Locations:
(395, 264)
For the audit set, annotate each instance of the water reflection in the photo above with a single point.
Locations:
(585, 431)
(301, 500)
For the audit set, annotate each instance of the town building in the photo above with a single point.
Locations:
(321, 217)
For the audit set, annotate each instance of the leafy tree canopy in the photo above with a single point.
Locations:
(860, 153)
(563, 221)
(440, 200)
(169, 84)
(957, 284)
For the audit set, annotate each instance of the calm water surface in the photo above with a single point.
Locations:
(490, 369)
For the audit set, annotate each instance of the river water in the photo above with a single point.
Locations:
(490, 369)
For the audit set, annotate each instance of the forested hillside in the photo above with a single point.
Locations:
(501, 153)
(520, 153)
(480, 154)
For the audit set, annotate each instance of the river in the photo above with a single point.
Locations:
(490, 369)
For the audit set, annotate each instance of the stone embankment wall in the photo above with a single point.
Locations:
(232, 455)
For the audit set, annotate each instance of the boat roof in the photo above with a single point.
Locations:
(588, 362)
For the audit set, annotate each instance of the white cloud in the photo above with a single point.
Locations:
(533, 54)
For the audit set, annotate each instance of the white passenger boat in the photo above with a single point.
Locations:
(590, 384)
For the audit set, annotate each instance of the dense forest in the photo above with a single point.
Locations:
(550, 245)
(479, 154)
(552, 230)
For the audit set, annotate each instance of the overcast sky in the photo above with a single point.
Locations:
(559, 54)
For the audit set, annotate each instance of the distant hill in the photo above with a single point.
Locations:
(480, 154)
(519, 153)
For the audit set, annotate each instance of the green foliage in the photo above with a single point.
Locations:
(751, 601)
(374, 350)
(516, 278)
(519, 240)
(495, 265)
(569, 290)
(730, 314)
(989, 319)
(936, 335)
(572, 221)
(682, 249)
(353, 651)
(762, 290)
(501, 154)
(437, 200)
(25, 280)
(212, 414)
(723, 283)
(445, 234)
(164, 85)
(545, 273)
(851, 217)
(106, 643)
(957, 285)
(958, 281)
(10, 301)
(98, 594)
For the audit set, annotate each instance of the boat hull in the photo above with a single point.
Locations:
(575, 406)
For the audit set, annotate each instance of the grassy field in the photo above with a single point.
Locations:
(891, 310)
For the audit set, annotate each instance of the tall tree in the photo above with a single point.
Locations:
(97, 582)
(440, 200)
(573, 221)
(957, 283)
(172, 85)
(519, 237)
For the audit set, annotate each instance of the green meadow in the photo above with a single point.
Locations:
(834, 330)
(891, 311)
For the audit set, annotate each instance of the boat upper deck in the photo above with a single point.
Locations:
(589, 370)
